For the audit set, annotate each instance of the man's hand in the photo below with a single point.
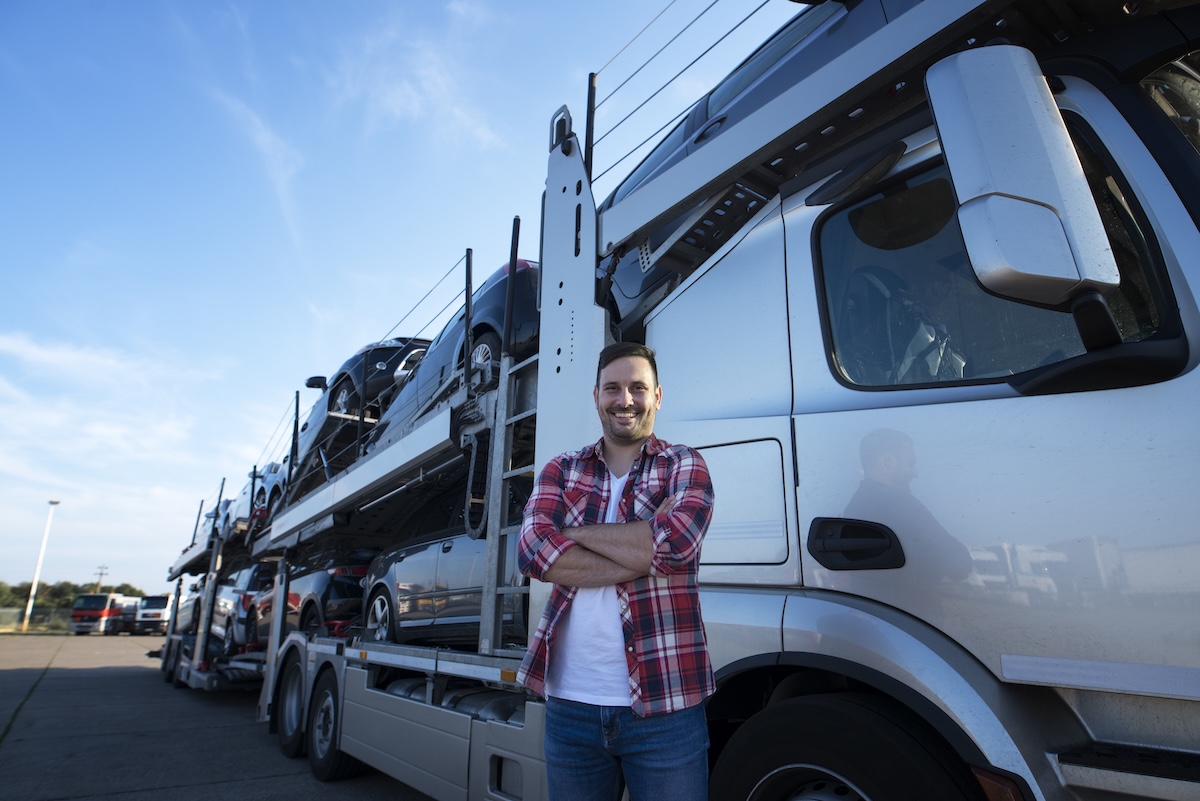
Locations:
(608, 553)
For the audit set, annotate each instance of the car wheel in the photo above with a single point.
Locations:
(228, 643)
(272, 507)
(850, 746)
(252, 627)
(486, 348)
(380, 623)
(343, 398)
(290, 707)
(310, 622)
(327, 762)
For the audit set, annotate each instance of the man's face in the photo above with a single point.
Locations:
(627, 399)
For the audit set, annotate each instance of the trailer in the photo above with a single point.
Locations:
(967, 231)
(189, 657)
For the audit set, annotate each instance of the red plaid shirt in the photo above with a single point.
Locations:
(666, 652)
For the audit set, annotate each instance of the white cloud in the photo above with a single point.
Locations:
(280, 159)
(397, 79)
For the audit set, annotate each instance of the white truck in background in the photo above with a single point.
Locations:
(929, 313)
(153, 614)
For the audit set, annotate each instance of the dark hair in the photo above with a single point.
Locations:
(619, 350)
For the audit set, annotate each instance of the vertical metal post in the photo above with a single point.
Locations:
(511, 288)
(468, 313)
(589, 126)
(37, 571)
(295, 442)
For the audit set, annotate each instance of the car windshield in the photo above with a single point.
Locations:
(768, 55)
(91, 602)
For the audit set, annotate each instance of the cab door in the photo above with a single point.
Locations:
(970, 461)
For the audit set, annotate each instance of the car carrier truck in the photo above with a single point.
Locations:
(928, 314)
(191, 656)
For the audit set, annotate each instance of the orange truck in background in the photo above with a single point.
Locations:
(97, 611)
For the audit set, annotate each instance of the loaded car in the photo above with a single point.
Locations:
(324, 591)
(235, 617)
(808, 40)
(357, 394)
(429, 588)
(188, 614)
(434, 376)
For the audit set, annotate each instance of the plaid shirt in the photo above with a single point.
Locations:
(666, 652)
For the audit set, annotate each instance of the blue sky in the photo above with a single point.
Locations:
(202, 204)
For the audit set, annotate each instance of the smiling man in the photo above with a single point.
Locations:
(620, 654)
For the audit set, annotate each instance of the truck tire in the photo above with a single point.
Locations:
(327, 762)
(290, 705)
(849, 746)
(177, 670)
(167, 667)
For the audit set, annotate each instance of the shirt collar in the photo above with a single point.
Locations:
(651, 447)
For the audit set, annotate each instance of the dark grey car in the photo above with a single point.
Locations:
(351, 403)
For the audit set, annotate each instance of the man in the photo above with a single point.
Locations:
(620, 653)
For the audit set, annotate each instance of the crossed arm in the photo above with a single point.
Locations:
(608, 553)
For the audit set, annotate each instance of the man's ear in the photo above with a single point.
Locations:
(658, 397)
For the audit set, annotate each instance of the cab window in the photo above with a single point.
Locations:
(904, 307)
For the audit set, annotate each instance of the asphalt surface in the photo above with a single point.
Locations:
(91, 718)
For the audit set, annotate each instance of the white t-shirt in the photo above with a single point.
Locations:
(587, 658)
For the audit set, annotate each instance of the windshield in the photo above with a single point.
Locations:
(1176, 90)
(159, 602)
(91, 602)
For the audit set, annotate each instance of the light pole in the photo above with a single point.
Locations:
(37, 571)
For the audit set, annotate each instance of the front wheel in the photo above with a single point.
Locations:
(486, 348)
(849, 746)
(252, 627)
(228, 642)
(343, 399)
(290, 707)
(327, 762)
(379, 617)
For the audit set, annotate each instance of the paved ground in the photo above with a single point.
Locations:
(91, 718)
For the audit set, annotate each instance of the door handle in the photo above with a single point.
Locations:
(710, 129)
(843, 544)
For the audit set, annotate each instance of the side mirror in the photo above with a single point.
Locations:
(1031, 226)
(317, 382)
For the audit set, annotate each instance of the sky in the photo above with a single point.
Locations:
(203, 204)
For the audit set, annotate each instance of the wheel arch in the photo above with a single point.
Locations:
(1004, 728)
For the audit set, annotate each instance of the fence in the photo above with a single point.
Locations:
(41, 620)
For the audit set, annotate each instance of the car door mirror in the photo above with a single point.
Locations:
(1031, 227)
(317, 382)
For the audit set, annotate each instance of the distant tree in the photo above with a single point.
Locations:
(11, 596)
(59, 595)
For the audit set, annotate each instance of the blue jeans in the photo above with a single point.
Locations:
(590, 749)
